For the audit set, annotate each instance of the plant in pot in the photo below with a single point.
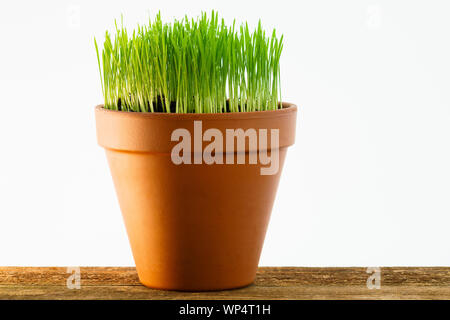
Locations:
(195, 138)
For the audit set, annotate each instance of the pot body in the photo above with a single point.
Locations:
(192, 226)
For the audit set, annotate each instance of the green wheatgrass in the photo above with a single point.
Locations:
(191, 66)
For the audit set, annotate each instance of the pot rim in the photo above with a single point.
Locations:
(287, 109)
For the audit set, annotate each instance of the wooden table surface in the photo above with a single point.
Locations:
(271, 283)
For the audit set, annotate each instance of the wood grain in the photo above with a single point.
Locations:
(271, 283)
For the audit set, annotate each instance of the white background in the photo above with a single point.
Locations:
(367, 182)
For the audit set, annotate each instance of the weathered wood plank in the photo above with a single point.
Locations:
(271, 283)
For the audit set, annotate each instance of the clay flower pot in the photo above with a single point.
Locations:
(194, 226)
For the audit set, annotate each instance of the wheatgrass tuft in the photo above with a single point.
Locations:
(190, 66)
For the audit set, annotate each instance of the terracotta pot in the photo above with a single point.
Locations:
(191, 226)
